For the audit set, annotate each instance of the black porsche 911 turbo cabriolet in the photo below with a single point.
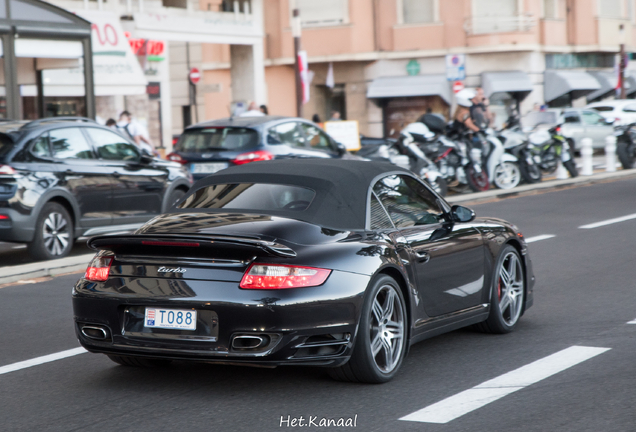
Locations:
(335, 263)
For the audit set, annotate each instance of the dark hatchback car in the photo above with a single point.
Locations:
(64, 178)
(208, 147)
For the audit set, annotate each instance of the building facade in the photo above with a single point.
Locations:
(389, 57)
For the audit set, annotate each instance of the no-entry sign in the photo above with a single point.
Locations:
(194, 75)
(458, 86)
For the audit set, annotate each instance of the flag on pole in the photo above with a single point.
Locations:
(329, 82)
(304, 74)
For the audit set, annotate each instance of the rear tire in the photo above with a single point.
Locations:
(53, 236)
(478, 182)
(507, 175)
(139, 361)
(571, 167)
(626, 154)
(382, 338)
(175, 196)
(530, 173)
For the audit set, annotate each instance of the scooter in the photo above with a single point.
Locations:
(404, 153)
(515, 142)
(626, 144)
(503, 168)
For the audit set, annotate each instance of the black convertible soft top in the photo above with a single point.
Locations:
(341, 186)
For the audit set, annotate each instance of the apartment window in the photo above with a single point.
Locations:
(551, 9)
(322, 12)
(418, 11)
(496, 8)
(612, 9)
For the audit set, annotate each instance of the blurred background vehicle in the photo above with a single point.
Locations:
(66, 177)
(208, 147)
(576, 124)
(619, 112)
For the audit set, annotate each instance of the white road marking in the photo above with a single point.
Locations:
(609, 222)
(539, 238)
(41, 360)
(631, 322)
(489, 391)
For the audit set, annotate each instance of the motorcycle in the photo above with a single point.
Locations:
(503, 168)
(626, 144)
(516, 143)
(404, 153)
(548, 147)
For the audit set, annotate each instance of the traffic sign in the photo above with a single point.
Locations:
(458, 86)
(194, 75)
(455, 67)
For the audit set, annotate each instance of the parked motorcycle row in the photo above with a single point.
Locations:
(463, 162)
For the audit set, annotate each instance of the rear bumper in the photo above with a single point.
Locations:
(309, 326)
(18, 228)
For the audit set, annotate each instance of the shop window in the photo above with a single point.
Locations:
(419, 11)
(612, 9)
(323, 12)
(243, 6)
(496, 8)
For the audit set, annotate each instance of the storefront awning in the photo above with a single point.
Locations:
(559, 83)
(117, 70)
(515, 82)
(409, 86)
(608, 82)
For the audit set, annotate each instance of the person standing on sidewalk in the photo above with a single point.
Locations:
(135, 131)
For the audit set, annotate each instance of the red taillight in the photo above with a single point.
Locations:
(176, 158)
(175, 140)
(4, 217)
(258, 155)
(6, 169)
(98, 269)
(276, 276)
(169, 243)
(558, 130)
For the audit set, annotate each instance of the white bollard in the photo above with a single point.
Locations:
(610, 153)
(561, 172)
(586, 156)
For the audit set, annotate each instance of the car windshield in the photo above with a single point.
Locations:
(6, 144)
(534, 118)
(250, 196)
(214, 139)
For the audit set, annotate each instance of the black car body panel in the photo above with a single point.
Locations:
(97, 193)
(313, 325)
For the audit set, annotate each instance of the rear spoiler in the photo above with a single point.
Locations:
(113, 242)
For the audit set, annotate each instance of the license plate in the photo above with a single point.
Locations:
(208, 168)
(171, 319)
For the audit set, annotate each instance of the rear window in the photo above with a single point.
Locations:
(603, 108)
(213, 139)
(250, 196)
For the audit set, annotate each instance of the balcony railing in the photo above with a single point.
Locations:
(492, 24)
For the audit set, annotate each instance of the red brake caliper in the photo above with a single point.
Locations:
(499, 288)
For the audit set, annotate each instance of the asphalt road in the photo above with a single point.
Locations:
(584, 297)
(16, 253)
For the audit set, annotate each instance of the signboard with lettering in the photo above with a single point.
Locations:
(345, 132)
(455, 67)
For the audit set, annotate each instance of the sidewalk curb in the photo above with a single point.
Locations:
(543, 187)
(44, 268)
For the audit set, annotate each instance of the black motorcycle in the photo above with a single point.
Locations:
(548, 148)
(626, 144)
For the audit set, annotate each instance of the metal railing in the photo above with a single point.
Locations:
(476, 25)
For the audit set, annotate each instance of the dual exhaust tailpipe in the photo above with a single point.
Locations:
(95, 332)
(246, 342)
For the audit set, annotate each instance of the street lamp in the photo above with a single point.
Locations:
(296, 34)
(621, 63)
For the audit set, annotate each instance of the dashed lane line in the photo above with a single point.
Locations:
(492, 390)
(609, 222)
(41, 360)
(539, 238)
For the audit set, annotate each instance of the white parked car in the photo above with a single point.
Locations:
(622, 111)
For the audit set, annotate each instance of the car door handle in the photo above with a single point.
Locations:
(423, 257)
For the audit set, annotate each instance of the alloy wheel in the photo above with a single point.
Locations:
(507, 175)
(510, 289)
(387, 329)
(55, 233)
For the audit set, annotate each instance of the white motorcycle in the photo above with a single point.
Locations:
(503, 168)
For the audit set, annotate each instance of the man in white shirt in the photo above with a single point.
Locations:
(135, 131)
(252, 111)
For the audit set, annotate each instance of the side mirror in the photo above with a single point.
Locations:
(608, 121)
(341, 148)
(461, 214)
